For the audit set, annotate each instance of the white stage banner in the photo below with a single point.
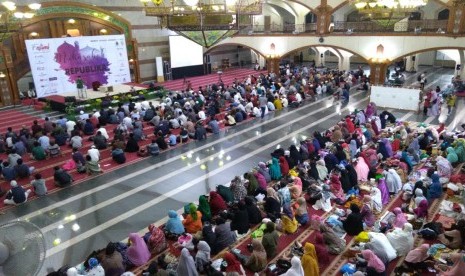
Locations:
(56, 63)
(396, 97)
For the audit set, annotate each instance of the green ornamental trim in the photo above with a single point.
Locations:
(86, 11)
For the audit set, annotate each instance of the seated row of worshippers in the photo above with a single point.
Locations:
(350, 172)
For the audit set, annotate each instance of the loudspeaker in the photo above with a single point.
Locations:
(321, 55)
(413, 58)
(458, 67)
(70, 99)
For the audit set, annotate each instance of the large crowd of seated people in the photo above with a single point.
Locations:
(355, 170)
(129, 128)
(377, 181)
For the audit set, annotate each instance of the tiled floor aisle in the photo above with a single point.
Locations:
(85, 217)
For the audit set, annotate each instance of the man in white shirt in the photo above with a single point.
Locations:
(96, 113)
(127, 122)
(103, 131)
(83, 116)
(70, 127)
(94, 153)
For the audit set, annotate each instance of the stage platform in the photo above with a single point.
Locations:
(58, 102)
(91, 94)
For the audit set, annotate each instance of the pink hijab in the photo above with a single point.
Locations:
(298, 181)
(373, 261)
(400, 219)
(362, 169)
(137, 253)
(418, 254)
(459, 265)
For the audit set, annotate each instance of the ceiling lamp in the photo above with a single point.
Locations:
(191, 2)
(11, 6)
(34, 6)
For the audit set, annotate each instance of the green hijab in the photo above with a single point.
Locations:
(204, 207)
(193, 211)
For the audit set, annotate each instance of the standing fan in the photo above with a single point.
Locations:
(22, 249)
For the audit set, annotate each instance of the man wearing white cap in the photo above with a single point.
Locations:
(16, 195)
(94, 153)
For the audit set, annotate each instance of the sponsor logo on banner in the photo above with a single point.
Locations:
(41, 48)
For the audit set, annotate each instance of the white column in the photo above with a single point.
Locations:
(410, 64)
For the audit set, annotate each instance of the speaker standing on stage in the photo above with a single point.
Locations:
(80, 87)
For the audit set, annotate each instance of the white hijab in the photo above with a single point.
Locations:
(379, 240)
(376, 199)
(186, 265)
(393, 181)
(402, 239)
(296, 268)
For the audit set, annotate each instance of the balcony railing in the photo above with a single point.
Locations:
(427, 26)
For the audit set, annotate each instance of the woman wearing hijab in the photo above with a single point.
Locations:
(210, 237)
(435, 189)
(224, 236)
(393, 181)
(295, 269)
(387, 145)
(335, 244)
(240, 220)
(301, 213)
(253, 183)
(422, 210)
(444, 167)
(353, 148)
(310, 260)
(455, 237)
(202, 258)
(261, 180)
(367, 211)
(361, 119)
(295, 154)
(303, 150)
(331, 161)
(217, 203)
(313, 170)
(263, 170)
(289, 223)
(399, 219)
(112, 261)
(204, 208)
(452, 156)
(138, 253)
(406, 158)
(322, 170)
(384, 190)
(319, 142)
(415, 259)
(186, 264)
(336, 187)
(353, 224)
(457, 268)
(340, 154)
(369, 111)
(233, 264)
(401, 239)
(193, 221)
(238, 189)
(420, 191)
(270, 239)
(283, 165)
(275, 169)
(382, 150)
(255, 216)
(376, 199)
(321, 250)
(257, 261)
(362, 169)
(173, 226)
(350, 125)
(374, 265)
(336, 134)
(324, 203)
(156, 241)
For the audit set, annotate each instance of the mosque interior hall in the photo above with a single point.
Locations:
(115, 115)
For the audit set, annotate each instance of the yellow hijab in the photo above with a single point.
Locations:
(310, 260)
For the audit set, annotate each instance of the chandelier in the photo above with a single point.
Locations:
(388, 8)
(202, 14)
(12, 17)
